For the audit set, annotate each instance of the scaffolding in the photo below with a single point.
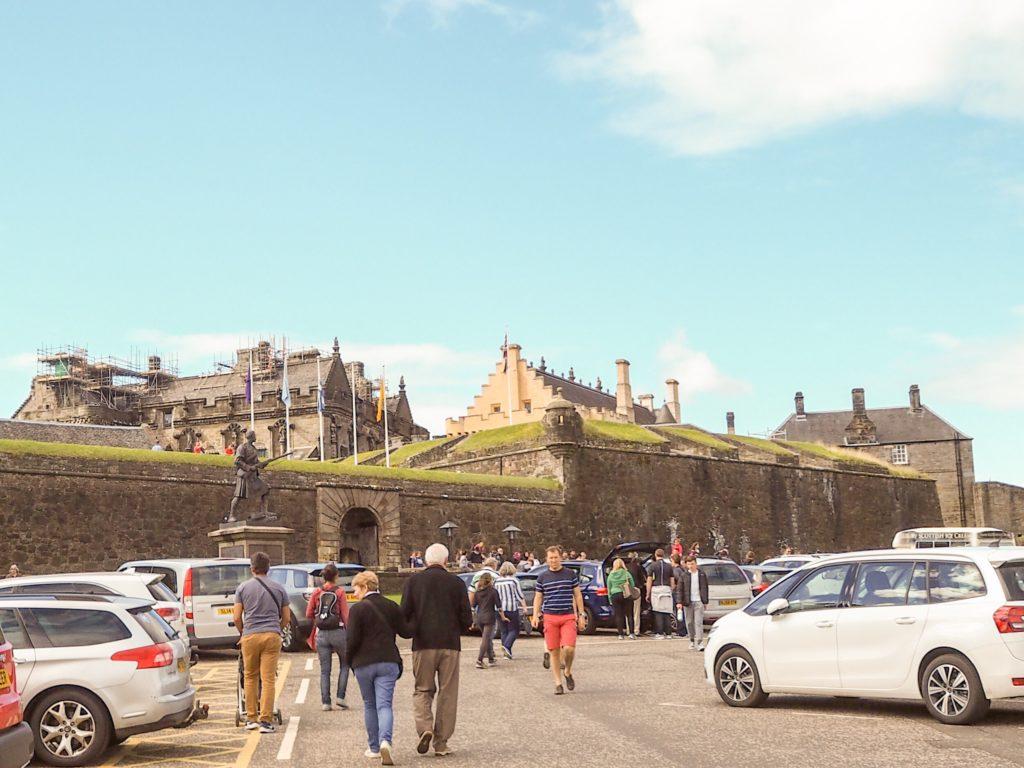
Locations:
(117, 383)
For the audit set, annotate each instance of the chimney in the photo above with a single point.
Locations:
(798, 399)
(730, 422)
(647, 401)
(672, 399)
(623, 391)
(859, 408)
(860, 430)
(915, 398)
(154, 363)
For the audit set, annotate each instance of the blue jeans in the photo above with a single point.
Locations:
(509, 629)
(377, 686)
(329, 643)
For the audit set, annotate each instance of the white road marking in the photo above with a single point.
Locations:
(309, 665)
(300, 697)
(288, 742)
(833, 714)
(675, 704)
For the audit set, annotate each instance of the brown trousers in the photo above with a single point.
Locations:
(436, 671)
(260, 653)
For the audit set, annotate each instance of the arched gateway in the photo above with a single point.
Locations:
(358, 525)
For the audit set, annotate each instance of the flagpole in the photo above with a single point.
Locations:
(355, 430)
(320, 405)
(252, 397)
(384, 394)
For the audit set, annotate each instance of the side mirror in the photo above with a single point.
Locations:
(778, 605)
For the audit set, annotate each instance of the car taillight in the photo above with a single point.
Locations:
(169, 613)
(186, 595)
(147, 657)
(601, 591)
(1009, 619)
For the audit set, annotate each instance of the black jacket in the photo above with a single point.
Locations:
(371, 633)
(436, 605)
(683, 588)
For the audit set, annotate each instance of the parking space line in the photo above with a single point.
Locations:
(288, 742)
(676, 704)
(309, 665)
(245, 756)
(300, 697)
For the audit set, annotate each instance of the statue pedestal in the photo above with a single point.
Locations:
(243, 540)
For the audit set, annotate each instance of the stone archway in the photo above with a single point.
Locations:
(364, 522)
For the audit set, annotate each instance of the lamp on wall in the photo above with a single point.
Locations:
(511, 530)
(449, 529)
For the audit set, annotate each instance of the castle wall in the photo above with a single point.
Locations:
(1000, 505)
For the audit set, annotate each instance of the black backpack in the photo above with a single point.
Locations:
(327, 610)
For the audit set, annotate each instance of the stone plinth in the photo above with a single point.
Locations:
(243, 540)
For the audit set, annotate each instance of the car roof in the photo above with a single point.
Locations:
(59, 600)
(43, 578)
(190, 561)
(317, 566)
(994, 555)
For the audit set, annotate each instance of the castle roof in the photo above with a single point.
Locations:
(590, 397)
(892, 425)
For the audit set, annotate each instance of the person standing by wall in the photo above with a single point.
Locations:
(659, 592)
(485, 600)
(620, 586)
(261, 612)
(436, 604)
(694, 598)
(328, 608)
(559, 599)
(512, 606)
(373, 623)
(636, 570)
(678, 572)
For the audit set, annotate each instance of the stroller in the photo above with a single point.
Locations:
(240, 713)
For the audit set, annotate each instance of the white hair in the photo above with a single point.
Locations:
(436, 554)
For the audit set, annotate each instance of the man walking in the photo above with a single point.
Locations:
(660, 582)
(261, 612)
(436, 604)
(693, 594)
(559, 599)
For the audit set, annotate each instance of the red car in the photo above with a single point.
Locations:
(16, 743)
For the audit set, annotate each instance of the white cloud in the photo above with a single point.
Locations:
(22, 362)
(1018, 310)
(984, 372)
(944, 340)
(706, 76)
(695, 370)
(442, 10)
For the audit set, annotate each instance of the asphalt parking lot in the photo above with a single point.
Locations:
(642, 702)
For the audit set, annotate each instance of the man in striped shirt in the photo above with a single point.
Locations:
(512, 599)
(559, 599)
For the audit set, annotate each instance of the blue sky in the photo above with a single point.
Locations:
(753, 207)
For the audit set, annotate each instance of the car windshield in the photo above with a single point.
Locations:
(723, 574)
(219, 579)
(158, 630)
(159, 591)
(757, 606)
(1012, 576)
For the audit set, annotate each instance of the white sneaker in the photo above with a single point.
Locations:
(692, 646)
(385, 753)
(370, 753)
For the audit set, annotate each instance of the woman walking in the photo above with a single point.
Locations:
(620, 588)
(512, 605)
(328, 609)
(485, 600)
(373, 623)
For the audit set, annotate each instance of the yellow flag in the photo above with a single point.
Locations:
(381, 405)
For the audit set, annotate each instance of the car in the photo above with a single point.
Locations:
(792, 562)
(206, 588)
(761, 577)
(945, 626)
(299, 581)
(146, 586)
(94, 670)
(16, 743)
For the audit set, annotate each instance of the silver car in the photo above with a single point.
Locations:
(94, 669)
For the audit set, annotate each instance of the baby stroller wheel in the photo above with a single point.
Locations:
(238, 720)
(278, 717)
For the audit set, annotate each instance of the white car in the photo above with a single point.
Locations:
(945, 626)
(93, 669)
(790, 561)
(206, 588)
(145, 586)
(728, 588)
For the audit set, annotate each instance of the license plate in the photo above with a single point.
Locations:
(726, 602)
(5, 681)
(225, 611)
(181, 665)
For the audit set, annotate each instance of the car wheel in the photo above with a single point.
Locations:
(590, 622)
(737, 679)
(71, 727)
(291, 637)
(953, 692)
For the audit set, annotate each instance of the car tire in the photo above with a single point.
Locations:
(952, 690)
(291, 637)
(590, 625)
(64, 708)
(737, 679)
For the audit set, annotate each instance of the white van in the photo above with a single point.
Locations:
(728, 588)
(206, 587)
(933, 538)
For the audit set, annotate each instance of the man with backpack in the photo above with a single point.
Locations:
(328, 608)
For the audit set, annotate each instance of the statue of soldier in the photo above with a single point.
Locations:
(248, 483)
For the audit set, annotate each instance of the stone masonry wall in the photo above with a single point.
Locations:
(1000, 505)
(83, 434)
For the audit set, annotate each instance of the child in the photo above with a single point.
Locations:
(485, 600)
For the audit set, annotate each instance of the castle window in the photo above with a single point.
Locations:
(899, 455)
(495, 407)
(527, 406)
(166, 417)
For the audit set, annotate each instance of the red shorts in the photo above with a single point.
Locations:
(559, 630)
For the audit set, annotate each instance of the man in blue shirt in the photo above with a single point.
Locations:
(559, 599)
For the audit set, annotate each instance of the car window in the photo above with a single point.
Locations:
(280, 575)
(301, 579)
(1012, 576)
(219, 580)
(882, 584)
(71, 627)
(757, 606)
(723, 574)
(11, 628)
(345, 577)
(170, 577)
(159, 591)
(159, 631)
(954, 581)
(770, 577)
(822, 589)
